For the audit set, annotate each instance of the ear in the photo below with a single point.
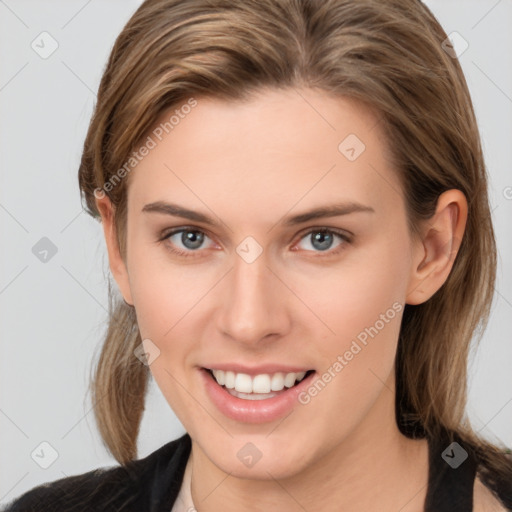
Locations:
(117, 264)
(437, 246)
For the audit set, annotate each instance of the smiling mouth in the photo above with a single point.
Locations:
(256, 387)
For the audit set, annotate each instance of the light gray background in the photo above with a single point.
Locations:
(53, 314)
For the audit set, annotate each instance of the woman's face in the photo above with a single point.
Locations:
(251, 282)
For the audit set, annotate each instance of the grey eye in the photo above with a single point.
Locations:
(321, 240)
(192, 239)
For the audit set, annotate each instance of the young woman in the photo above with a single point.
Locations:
(294, 201)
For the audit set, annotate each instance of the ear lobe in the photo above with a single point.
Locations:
(438, 246)
(116, 262)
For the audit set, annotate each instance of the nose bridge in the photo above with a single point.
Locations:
(252, 309)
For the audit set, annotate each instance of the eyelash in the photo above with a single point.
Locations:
(191, 253)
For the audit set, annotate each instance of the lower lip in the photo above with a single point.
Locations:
(254, 411)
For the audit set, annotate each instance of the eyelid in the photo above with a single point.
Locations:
(167, 233)
(345, 235)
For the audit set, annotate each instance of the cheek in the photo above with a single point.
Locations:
(354, 294)
(166, 301)
(163, 293)
(361, 302)
(346, 298)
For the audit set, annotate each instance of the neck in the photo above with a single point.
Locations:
(375, 468)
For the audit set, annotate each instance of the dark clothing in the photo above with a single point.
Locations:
(152, 484)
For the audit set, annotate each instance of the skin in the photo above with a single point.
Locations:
(248, 165)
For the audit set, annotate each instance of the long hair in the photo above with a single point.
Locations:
(387, 54)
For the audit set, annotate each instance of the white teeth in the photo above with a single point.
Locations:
(243, 383)
(229, 379)
(251, 396)
(259, 384)
(220, 376)
(289, 380)
(277, 382)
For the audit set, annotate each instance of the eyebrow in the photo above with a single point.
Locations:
(332, 210)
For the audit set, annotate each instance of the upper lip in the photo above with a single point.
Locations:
(259, 369)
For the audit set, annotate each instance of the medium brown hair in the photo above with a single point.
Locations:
(387, 54)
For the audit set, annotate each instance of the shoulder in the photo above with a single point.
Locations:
(70, 493)
(117, 488)
(492, 491)
(484, 500)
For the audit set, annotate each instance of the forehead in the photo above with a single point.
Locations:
(278, 148)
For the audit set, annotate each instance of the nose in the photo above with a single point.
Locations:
(254, 303)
